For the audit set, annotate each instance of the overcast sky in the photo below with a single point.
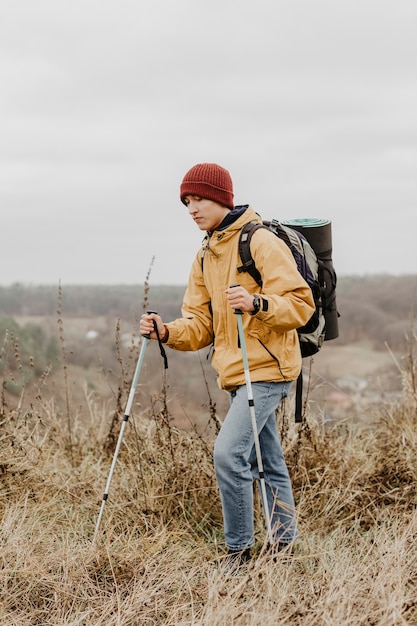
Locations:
(104, 105)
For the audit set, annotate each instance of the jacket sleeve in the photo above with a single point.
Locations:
(194, 330)
(288, 298)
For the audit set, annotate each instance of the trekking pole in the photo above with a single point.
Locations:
(146, 339)
(251, 402)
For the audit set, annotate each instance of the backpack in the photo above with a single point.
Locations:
(310, 244)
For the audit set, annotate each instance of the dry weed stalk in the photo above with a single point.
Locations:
(65, 369)
(125, 372)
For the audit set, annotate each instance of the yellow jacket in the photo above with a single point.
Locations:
(271, 338)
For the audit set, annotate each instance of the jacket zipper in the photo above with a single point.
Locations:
(275, 359)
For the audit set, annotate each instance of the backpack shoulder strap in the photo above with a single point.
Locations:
(248, 264)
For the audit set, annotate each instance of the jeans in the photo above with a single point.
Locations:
(236, 467)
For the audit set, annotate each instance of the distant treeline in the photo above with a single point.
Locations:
(379, 308)
(119, 301)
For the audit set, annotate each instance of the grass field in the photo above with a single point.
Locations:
(158, 555)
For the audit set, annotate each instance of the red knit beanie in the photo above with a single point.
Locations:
(208, 180)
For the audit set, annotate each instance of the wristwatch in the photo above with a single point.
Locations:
(256, 304)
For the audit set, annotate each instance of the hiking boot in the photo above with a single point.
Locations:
(286, 549)
(234, 559)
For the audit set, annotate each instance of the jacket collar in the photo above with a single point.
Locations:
(241, 214)
(232, 216)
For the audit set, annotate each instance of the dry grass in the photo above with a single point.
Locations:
(157, 557)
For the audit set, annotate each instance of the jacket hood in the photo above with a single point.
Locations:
(232, 216)
(240, 215)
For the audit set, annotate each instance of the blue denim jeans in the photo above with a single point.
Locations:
(236, 467)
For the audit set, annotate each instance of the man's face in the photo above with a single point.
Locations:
(207, 214)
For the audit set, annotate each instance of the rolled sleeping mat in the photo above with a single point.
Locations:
(318, 233)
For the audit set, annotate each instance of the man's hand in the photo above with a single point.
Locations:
(240, 299)
(146, 325)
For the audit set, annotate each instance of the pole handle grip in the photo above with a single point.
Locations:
(148, 335)
(236, 311)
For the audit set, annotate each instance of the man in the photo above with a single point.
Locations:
(271, 316)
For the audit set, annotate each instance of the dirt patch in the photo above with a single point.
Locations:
(358, 359)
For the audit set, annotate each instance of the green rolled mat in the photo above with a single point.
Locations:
(318, 233)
